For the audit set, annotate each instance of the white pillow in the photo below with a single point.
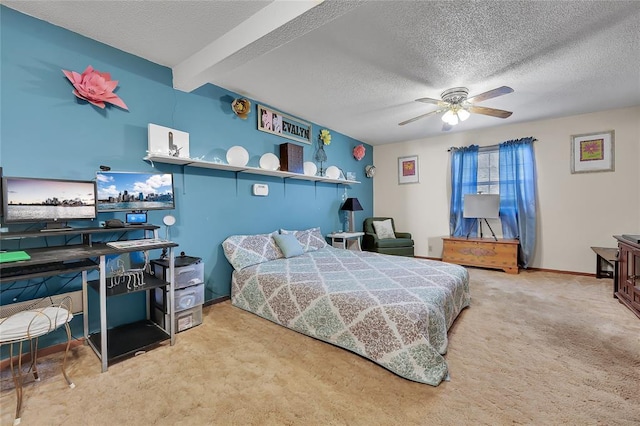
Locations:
(384, 229)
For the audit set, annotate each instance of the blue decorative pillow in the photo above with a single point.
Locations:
(289, 245)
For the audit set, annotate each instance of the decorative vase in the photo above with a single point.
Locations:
(321, 157)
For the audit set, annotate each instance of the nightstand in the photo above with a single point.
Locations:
(346, 240)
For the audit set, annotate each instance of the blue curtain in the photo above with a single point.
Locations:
(518, 195)
(464, 180)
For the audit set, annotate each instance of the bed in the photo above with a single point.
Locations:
(393, 310)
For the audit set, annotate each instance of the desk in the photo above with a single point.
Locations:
(346, 240)
(125, 340)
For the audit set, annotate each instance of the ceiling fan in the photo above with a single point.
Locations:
(457, 106)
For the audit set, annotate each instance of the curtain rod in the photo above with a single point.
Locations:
(484, 148)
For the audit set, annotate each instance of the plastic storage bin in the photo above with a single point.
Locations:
(184, 320)
(185, 298)
(188, 270)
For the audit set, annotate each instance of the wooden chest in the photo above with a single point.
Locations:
(483, 252)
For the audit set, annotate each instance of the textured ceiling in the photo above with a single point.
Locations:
(357, 67)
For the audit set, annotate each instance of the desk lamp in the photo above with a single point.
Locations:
(351, 205)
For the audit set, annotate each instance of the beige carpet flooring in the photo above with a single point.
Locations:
(538, 348)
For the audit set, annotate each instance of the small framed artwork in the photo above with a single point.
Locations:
(408, 171)
(277, 123)
(592, 152)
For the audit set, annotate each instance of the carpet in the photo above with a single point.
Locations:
(537, 348)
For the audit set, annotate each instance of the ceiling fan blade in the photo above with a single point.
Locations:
(490, 94)
(419, 117)
(431, 101)
(500, 113)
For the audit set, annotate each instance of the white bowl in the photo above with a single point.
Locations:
(269, 161)
(237, 156)
(310, 169)
(333, 172)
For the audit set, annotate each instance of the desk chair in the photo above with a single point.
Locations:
(28, 325)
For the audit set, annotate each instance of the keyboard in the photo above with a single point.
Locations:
(141, 244)
(47, 268)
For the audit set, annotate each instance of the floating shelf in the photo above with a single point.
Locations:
(244, 169)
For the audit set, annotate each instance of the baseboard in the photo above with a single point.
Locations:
(26, 357)
(557, 271)
(216, 300)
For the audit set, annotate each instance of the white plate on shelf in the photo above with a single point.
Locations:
(310, 169)
(237, 156)
(333, 172)
(269, 161)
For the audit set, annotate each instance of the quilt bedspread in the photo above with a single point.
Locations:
(393, 310)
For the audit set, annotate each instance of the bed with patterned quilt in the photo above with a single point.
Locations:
(395, 311)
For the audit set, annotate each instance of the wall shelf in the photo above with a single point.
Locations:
(158, 158)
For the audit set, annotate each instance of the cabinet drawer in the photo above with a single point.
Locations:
(185, 298)
(187, 272)
(183, 320)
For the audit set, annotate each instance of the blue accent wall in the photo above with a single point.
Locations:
(47, 132)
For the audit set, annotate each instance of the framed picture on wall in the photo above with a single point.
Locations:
(277, 123)
(408, 170)
(592, 152)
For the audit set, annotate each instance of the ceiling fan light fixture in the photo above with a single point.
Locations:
(458, 107)
(463, 114)
(450, 117)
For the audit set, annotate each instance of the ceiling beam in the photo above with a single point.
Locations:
(218, 56)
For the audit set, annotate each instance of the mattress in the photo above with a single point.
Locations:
(395, 311)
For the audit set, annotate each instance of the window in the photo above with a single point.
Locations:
(489, 171)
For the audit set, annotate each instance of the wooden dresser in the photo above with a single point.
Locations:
(483, 252)
(627, 289)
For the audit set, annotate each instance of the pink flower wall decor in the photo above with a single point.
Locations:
(358, 152)
(95, 87)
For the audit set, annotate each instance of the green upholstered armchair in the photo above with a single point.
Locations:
(401, 245)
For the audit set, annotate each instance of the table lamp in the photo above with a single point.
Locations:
(351, 205)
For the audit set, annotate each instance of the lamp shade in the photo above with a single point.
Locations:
(352, 205)
(463, 114)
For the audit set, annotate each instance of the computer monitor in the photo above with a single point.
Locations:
(134, 191)
(136, 218)
(53, 201)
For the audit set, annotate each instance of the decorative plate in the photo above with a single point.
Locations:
(237, 156)
(269, 161)
(333, 172)
(310, 169)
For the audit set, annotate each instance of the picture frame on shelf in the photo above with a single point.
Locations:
(167, 141)
(408, 170)
(277, 123)
(593, 152)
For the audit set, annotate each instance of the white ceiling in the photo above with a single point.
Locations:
(358, 66)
